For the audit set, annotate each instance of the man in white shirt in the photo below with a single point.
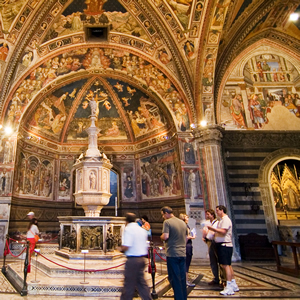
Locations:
(134, 244)
(223, 239)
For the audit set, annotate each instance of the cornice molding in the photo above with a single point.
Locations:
(260, 139)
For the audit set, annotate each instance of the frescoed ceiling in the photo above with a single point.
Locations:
(155, 67)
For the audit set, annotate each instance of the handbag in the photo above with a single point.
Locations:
(36, 237)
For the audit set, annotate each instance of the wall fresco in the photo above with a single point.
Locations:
(6, 180)
(159, 178)
(34, 176)
(189, 154)
(65, 179)
(128, 183)
(192, 184)
(262, 104)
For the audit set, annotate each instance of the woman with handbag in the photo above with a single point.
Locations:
(32, 237)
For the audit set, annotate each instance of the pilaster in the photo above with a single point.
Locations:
(209, 142)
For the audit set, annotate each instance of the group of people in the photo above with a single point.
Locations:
(178, 237)
(218, 236)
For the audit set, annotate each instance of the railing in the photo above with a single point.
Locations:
(284, 269)
(152, 251)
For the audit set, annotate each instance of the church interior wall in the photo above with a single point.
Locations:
(244, 154)
(148, 180)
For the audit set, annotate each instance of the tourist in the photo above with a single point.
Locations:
(223, 239)
(135, 247)
(174, 234)
(31, 233)
(208, 238)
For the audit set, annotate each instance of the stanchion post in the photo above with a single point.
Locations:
(24, 289)
(36, 251)
(5, 253)
(160, 248)
(152, 264)
(84, 253)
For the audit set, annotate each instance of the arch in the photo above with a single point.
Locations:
(167, 90)
(265, 188)
(239, 63)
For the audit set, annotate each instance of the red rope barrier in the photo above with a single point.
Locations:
(159, 255)
(19, 242)
(11, 253)
(100, 270)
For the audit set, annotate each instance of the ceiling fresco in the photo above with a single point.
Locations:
(123, 112)
(158, 66)
(116, 62)
(79, 13)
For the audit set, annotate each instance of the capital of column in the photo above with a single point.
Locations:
(211, 134)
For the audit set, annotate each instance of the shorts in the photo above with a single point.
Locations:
(224, 255)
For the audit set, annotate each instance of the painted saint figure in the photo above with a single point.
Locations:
(3, 51)
(129, 188)
(192, 183)
(237, 111)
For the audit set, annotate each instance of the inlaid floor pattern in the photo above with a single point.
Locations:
(255, 280)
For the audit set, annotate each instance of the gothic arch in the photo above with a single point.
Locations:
(265, 188)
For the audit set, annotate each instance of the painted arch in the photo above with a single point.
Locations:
(261, 90)
(136, 97)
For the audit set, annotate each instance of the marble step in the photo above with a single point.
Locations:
(39, 283)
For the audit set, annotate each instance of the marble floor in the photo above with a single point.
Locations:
(255, 279)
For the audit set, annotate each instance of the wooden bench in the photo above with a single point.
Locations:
(288, 269)
(256, 247)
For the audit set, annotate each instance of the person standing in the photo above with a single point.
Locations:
(208, 237)
(135, 247)
(146, 225)
(174, 234)
(31, 216)
(189, 247)
(223, 239)
(31, 233)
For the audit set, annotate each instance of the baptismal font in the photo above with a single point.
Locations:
(92, 192)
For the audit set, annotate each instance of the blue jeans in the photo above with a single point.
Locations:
(177, 276)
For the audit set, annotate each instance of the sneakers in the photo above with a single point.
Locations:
(227, 291)
(190, 284)
(234, 286)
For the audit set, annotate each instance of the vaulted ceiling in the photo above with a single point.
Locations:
(153, 66)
